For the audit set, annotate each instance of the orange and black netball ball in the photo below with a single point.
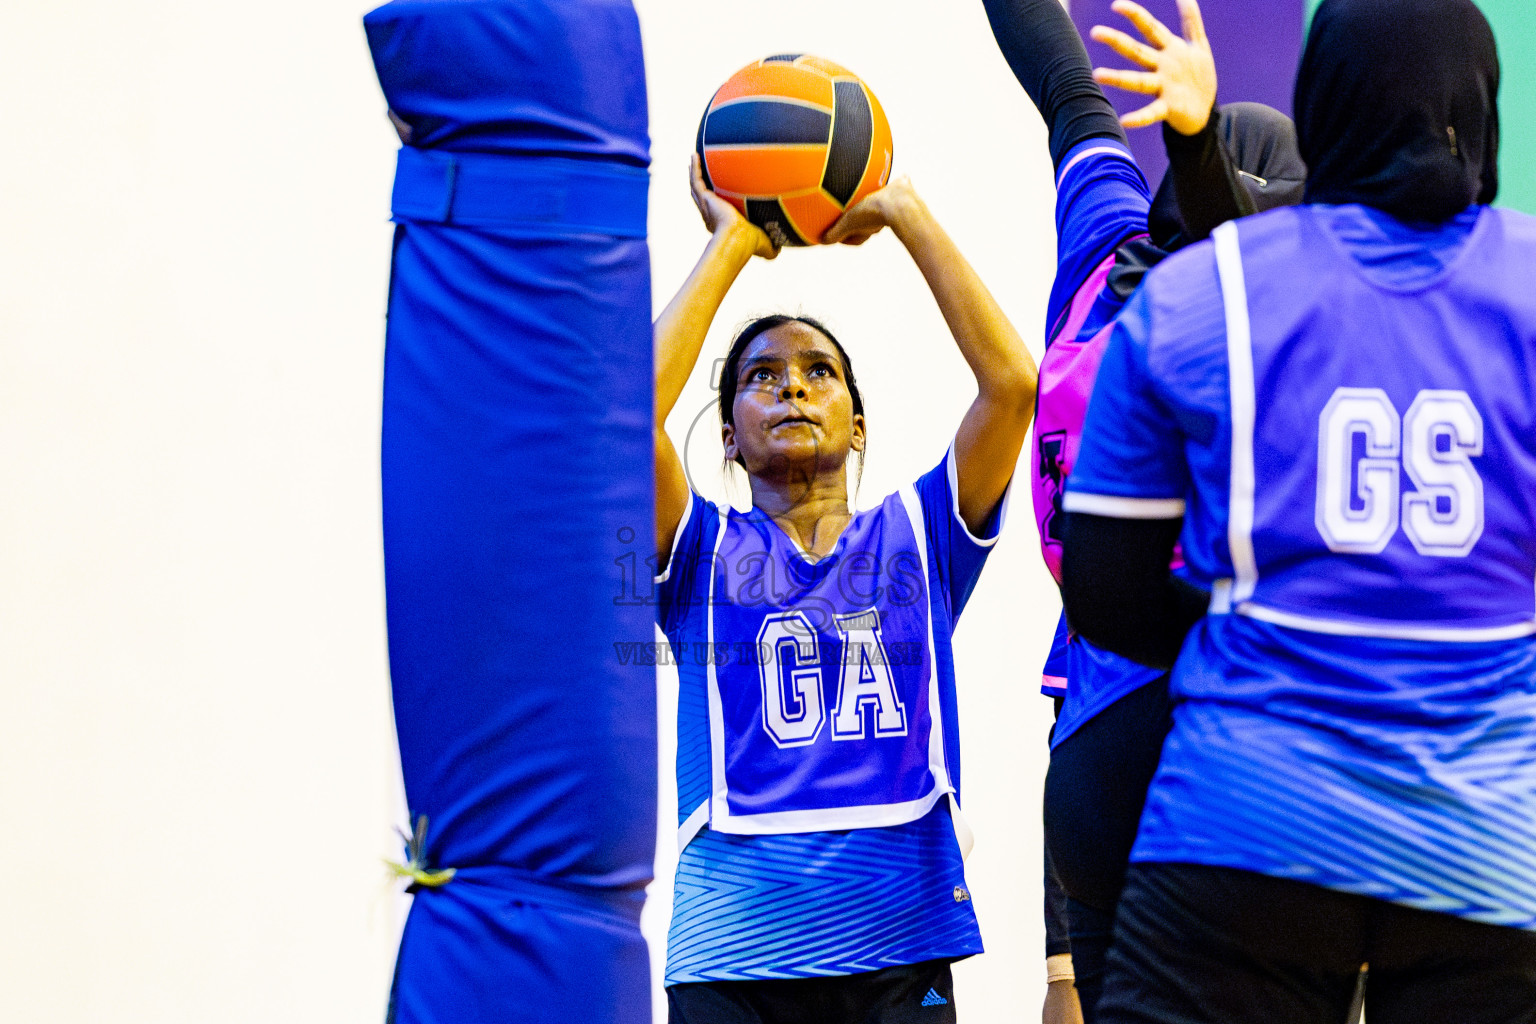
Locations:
(792, 141)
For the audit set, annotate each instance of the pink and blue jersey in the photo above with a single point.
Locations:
(1340, 407)
(1101, 203)
(817, 759)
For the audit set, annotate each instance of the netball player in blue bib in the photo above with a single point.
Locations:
(1223, 163)
(821, 876)
(1331, 408)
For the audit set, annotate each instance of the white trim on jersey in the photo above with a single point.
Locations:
(1095, 151)
(718, 806)
(677, 538)
(1221, 597)
(1388, 630)
(964, 837)
(824, 819)
(936, 763)
(1234, 299)
(954, 503)
(692, 825)
(1114, 506)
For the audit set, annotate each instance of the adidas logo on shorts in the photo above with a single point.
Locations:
(934, 999)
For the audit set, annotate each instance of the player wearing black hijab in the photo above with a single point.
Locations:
(1418, 138)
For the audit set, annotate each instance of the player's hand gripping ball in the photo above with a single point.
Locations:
(792, 141)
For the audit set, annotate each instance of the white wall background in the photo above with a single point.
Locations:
(197, 766)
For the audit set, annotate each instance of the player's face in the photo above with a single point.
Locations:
(793, 409)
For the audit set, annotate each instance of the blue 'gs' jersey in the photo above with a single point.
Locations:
(1101, 202)
(817, 751)
(1340, 405)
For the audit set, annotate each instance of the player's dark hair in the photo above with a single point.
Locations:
(745, 336)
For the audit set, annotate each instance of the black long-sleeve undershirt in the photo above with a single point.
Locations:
(1205, 180)
(1118, 592)
(1047, 56)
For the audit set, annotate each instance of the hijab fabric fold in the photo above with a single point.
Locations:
(1397, 107)
(1260, 142)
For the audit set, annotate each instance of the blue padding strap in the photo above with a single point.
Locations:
(538, 195)
(545, 890)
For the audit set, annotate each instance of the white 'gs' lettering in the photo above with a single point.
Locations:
(1446, 476)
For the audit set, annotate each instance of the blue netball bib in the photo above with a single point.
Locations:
(1339, 405)
(1412, 516)
(1367, 477)
(829, 723)
(826, 684)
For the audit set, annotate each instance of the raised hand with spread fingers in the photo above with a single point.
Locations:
(1181, 72)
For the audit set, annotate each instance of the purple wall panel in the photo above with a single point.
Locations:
(1257, 45)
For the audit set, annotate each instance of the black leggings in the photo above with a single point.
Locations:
(1095, 789)
(1094, 792)
(1206, 945)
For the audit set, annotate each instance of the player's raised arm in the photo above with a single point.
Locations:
(680, 333)
(1046, 55)
(990, 437)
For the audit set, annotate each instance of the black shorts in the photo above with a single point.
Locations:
(1206, 945)
(920, 993)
